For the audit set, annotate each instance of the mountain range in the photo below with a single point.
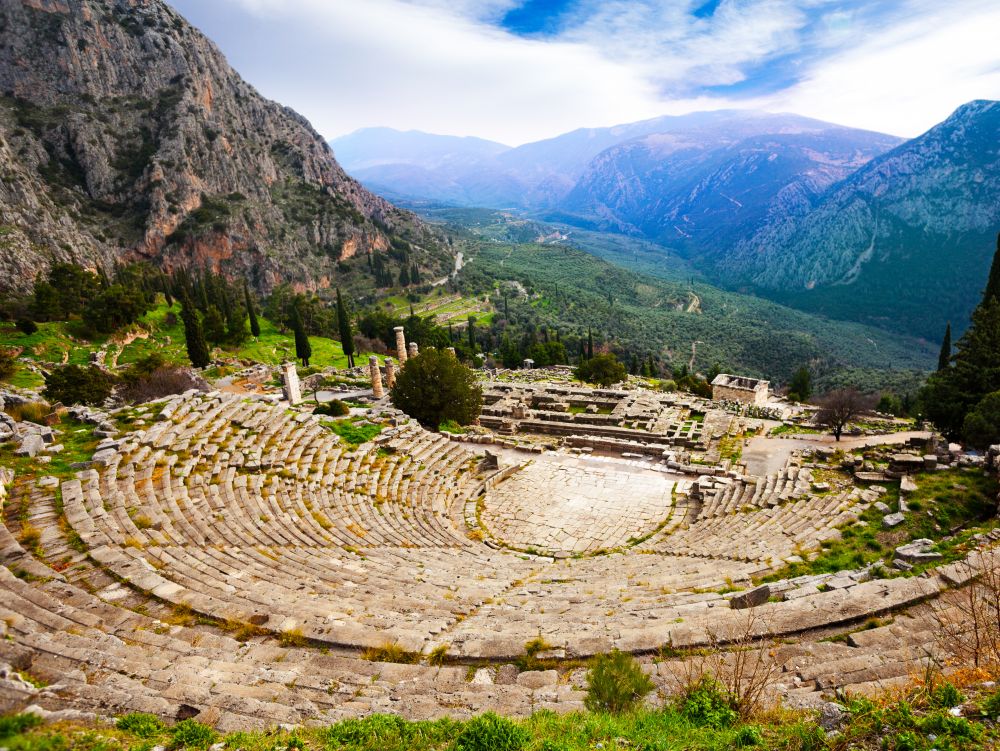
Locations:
(124, 133)
(854, 224)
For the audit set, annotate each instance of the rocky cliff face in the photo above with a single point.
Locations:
(905, 241)
(124, 133)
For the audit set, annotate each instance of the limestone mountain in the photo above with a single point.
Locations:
(904, 242)
(709, 184)
(540, 175)
(124, 133)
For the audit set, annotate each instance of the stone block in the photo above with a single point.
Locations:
(893, 520)
(917, 551)
(750, 599)
(31, 444)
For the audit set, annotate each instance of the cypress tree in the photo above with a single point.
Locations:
(944, 359)
(165, 283)
(254, 323)
(993, 281)
(590, 344)
(194, 335)
(472, 334)
(404, 277)
(344, 324)
(303, 350)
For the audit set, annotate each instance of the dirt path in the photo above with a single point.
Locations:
(764, 455)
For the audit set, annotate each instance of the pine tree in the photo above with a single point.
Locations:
(303, 350)
(344, 324)
(254, 323)
(944, 359)
(194, 335)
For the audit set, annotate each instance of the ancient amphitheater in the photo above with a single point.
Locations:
(228, 557)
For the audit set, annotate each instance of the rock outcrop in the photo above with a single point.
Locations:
(124, 133)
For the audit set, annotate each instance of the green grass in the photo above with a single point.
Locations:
(938, 510)
(55, 340)
(869, 725)
(352, 433)
(78, 442)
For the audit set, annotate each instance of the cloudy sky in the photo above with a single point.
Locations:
(521, 70)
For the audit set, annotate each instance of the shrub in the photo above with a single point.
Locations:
(26, 326)
(706, 705)
(489, 732)
(78, 384)
(603, 370)
(747, 736)
(616, 683)
(18, 723)
(8, 364)
(905, 741)
(946, 695)
(140, 724)
(333, 408)
(139, 384)
(990, 706)
(191, 734)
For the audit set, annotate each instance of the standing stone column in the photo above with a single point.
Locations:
(400, 345)
(376, 373)
(290, 378)
(390, 372)
(413, 349)
(450, 351)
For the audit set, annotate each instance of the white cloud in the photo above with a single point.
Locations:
(383, 62)
(906, 78)
(443, 66)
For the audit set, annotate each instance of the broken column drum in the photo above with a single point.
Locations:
(413, 350)
(376, 375)
(290, 379)
(400, 345)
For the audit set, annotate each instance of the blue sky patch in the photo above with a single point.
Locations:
(537, 17)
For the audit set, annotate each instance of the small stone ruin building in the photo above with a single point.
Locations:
(727, 387)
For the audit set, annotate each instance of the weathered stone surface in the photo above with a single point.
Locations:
(535, 679)
(893, 520)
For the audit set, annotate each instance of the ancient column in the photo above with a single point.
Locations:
(376, 373)
(400, 345)
(290, 378)
(413, 352)
(390, 372)
(450, 351)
